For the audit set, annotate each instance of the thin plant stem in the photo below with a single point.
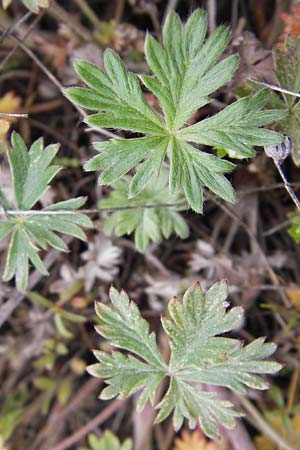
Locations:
(119, 11)
(89, 13)
(111, 409)
(14, 49)
(14, 26)
(266, 188)
(287, 185)
(43, 212)
(262, 425)
(234, 14)
(212, 13)
(293, 388)
(274, 87)
(65, 413)
(60, 14)
(277, 228)
(13, 115)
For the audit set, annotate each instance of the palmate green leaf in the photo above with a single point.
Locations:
(185, 72)
(239, 370)
(198, 355)
(31, 174)
(147, 224)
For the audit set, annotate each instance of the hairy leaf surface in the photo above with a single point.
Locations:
(33, 230)
(186, 71)
(147, 222)
(198, 355)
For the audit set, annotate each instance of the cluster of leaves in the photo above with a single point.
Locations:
(32, 5)
(287, 73)
(198, 355)
(185, 72)
(60, 387)
(146, 222)
(107, 442)
(33, 230)
(52, 350)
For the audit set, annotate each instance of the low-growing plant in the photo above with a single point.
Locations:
(139, 215)
(185, 72)
(167, 167)
(32, 230)
(60, 315)
(198, 355)
(284, 95)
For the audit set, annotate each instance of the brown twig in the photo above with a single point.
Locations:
(90, 426)
(262, 425)
(15, 26)
(212, 13)
(89, 387)
(287, 185)
(10, 30)
(119, 11)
